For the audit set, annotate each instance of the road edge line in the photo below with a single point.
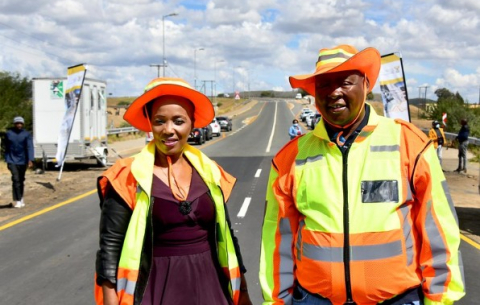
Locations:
(38, 213)
(470, 241)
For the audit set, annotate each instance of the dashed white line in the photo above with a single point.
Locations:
(244, 208)
(257, 174)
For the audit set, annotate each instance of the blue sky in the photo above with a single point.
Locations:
(252, 44)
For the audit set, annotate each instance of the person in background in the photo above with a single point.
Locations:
(165, 233)
(438, 138)
(462, 139)
(357, 211)
(295, 130)
(19, 155)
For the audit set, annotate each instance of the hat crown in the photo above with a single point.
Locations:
(18, 119)
(166, 81)
(329, 58)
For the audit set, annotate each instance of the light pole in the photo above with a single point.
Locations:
(195, 65)
(215, 78)
(158, 68)
(164, 63)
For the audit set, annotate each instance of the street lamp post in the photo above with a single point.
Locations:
(164, 62)
(158, 68)
(195, 65)
(215, 79)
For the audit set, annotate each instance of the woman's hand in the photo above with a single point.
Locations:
(109, 294)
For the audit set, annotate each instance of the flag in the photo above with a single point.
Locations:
(394, 88)
(73, 90)
(444, 119)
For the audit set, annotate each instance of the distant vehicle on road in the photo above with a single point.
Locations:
(305, 112)
(216, 129)
(197, 136)
(208, 132)
(225, 123)
(298, 96)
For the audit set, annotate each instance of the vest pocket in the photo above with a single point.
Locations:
(379, 191)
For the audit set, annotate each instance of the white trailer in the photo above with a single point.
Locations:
(88, 138)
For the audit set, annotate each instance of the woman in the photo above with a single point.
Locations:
(294, 130)
(165, 235)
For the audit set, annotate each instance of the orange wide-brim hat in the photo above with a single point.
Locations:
(341, 58)
(136, 113)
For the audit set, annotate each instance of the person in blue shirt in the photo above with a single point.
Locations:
(294, 130)
(462, 139)
(19, 156)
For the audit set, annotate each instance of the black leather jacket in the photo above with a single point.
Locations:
(114, 220)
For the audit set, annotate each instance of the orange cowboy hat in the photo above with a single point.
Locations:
(136, 112)
(341, 58)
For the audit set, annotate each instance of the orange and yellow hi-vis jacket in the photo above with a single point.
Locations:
(370, 223)
(132, 180)
(432, 134)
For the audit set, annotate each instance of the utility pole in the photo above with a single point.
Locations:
(158, 68)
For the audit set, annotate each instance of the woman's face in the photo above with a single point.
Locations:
(172, 122)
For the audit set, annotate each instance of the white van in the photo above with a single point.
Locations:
(298, 96)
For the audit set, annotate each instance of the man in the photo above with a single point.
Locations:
(18, 155)
(462, 139)
(358, 210)
(438, 138)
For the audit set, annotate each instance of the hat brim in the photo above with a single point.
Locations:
(367, 61)
(203, 115)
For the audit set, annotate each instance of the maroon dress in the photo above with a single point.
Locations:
(184, 269)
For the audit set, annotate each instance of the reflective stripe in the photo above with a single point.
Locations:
(407, 233)
(439, 253)
(286, 260)
(381, 148)
(301, 224)
(125, 284)
(357, 253)
(299, 162)
(449, 199)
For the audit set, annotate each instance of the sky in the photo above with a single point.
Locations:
(241, 45)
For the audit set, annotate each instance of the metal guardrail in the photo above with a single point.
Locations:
(451, 136)
(121, 130)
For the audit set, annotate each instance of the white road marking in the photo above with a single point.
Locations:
(257, 174)
(244, 208)
(273, 129)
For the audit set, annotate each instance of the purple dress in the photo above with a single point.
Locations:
(184, 269)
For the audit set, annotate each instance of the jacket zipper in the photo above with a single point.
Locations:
(346, 229)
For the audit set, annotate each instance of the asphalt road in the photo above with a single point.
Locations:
(49, 259)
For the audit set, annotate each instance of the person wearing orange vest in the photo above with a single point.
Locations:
(358, 210)
(165, 234)
(437, 136)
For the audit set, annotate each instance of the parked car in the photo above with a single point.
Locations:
(309, 119)
(216, 129)
(148, 137)
(314, 120)
(197, 136)
(305, 112)
(208, 132)
(225, 123)
(298, 96)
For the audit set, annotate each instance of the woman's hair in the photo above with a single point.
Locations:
(295, 121)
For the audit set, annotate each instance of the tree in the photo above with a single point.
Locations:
(456, 109)
(15, 100)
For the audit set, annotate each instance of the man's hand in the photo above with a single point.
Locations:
(30, 164)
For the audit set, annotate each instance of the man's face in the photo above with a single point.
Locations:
(18, 125)
(340, 96)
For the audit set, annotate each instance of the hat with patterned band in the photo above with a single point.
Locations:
(341, 58)
(203, 113)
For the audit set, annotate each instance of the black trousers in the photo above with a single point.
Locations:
(18, 179)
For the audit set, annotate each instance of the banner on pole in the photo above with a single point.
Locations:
(394, 88)
(73, 90)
